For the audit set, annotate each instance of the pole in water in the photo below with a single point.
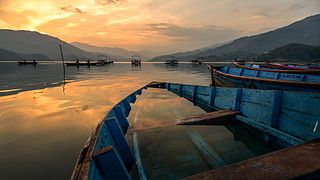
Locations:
(64, 69)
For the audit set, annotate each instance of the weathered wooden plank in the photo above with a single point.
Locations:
(295, 162)
(140, 168)
(152, 124)
(220, 117)
(212, 157)
(274, 132)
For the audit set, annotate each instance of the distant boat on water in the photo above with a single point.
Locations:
(27, 62)
(196, 62)
(78, 63)
(171, 60)
(103, 60)
(135, 60)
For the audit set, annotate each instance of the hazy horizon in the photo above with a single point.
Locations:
(161, 26)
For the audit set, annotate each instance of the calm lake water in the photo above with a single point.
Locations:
(43, 124)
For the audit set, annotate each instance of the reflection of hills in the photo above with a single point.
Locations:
(9, 55)
(17, 78)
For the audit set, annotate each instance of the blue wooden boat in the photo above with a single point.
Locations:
(263, 67)
(283, 117)
(259, 79)
(293, 66)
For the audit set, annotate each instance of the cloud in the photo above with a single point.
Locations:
(209, 33)
(72, 9)
(109, 2)
(297, 6)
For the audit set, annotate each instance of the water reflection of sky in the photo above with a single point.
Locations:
(43, 125)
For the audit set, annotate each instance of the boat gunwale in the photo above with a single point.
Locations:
(294, 71)
(285, 66)
(82, 167)
(265, 80)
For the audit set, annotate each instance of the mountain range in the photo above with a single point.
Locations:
(31, 45)
(30, 42)
(293, 52)
(116, 52)
(306, 31)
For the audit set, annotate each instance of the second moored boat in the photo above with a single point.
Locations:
(260, 79)
(268, 68)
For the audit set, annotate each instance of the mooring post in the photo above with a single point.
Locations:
(64, 69)
(212, 78)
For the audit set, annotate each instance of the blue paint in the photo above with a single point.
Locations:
(252, 82)
(194, 93)
(276, 108)
(268, 110)
(276, 133)
(227, 69)
(180, 89)
(122, 119)
(139, 91)
(132, 98)
(125, 106)
(257, 73)
(111, 166)
(212, 96)
(236, 106)
(241, 72)
(120, 142)
(168, 87)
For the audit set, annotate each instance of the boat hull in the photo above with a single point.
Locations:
(27, 63)
(272, 69)
(220, 78)
(292, 67)
(107, 155)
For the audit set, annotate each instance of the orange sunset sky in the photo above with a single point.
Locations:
(158, 25)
